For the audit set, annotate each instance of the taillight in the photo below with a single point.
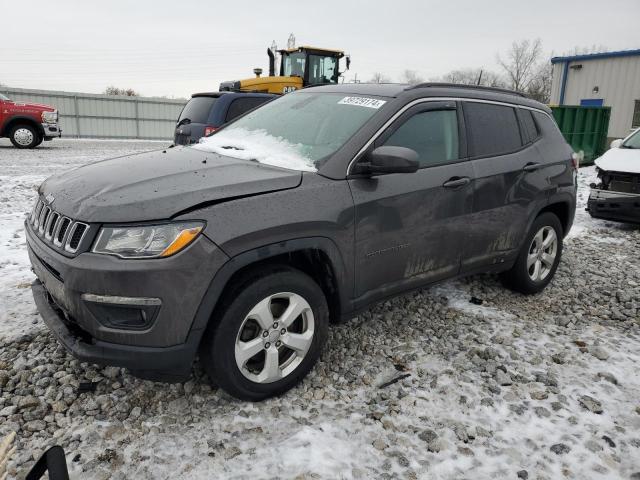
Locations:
(575, 159)
(208, 130)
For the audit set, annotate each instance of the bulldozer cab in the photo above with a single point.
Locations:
(314, 66)
(299, 67)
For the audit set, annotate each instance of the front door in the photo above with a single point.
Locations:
(410, 227)
(3, 112)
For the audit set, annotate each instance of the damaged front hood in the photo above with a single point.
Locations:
(158, 185)
(620, 160)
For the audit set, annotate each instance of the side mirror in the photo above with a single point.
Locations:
(384, 160)
(617, 143)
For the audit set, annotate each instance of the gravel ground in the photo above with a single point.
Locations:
(427, 385)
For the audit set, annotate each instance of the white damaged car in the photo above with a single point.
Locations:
(616, 196)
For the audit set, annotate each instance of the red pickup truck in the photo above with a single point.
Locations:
(27, 124)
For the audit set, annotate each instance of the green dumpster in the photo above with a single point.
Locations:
(584, 128)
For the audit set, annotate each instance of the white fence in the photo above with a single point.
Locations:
(86, 115)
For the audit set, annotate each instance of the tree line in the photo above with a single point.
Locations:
(524, 68)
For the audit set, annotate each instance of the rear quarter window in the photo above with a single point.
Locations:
(197, 109)
(546, 124)
(491, 129)
(529, 125)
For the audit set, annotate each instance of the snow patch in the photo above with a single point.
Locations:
(620, 160)
(259, 146)
(460, 300)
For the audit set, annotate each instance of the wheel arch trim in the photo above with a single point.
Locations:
(222, 277)
(20, 119)
(566, 201)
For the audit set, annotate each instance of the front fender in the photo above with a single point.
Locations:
(221, 279)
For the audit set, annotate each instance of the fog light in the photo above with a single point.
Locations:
(129, 313)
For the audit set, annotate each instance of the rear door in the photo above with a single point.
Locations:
(509, 182)
(410, 227)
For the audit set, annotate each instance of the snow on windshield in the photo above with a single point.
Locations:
(257, 145)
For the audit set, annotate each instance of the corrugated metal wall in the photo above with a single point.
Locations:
(86, 115)
(618, 82)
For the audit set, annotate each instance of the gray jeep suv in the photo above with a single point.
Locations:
(243, 248)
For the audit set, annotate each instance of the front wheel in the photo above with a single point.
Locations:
(24, 136)
(539, 258)
(270, 334)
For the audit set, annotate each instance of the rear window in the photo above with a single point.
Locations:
(241, 106)
(197, 109)
(492, 129)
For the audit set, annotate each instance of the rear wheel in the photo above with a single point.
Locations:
(539, 258)
(24, 136)
(270, 334)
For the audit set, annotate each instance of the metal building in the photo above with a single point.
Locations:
(601, 79)
(87, 115)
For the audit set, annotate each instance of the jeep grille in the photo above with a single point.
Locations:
(56, 229)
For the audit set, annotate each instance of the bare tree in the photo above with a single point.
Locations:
(540, 87)
(127, 92)
(379, 77)
(521, 63)
(411, 77)
(472, 76)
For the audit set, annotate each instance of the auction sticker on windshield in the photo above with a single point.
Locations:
(362, 102)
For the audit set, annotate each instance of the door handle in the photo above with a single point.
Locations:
(456, 182)
(531, 167)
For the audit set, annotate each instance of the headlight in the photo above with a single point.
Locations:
(50, 117)
(147, 241)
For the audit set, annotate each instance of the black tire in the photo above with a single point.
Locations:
(18, 142)
(217, 352)
(518, 277)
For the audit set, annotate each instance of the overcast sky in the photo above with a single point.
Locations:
(175, 48)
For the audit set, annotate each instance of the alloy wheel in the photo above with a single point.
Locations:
(274, 337)
(542, 254)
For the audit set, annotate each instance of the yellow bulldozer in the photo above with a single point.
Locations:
(299, 67)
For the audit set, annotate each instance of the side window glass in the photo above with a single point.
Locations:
(241, 106)
(322, 69)
(491, 129)
(529, 125)
(433, 135)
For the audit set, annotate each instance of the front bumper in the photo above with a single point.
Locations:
(617, 206)
(67, 288)
(51, 130)
(170, 363)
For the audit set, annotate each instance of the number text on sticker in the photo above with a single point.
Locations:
(362, 102)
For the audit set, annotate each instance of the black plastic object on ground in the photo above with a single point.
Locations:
(52, 462)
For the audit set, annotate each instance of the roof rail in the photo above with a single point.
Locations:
(470, 87)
